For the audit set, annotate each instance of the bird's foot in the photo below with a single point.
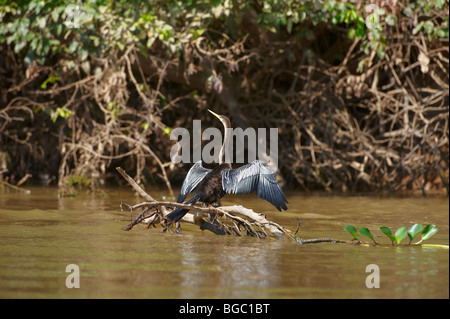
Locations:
(216, 204)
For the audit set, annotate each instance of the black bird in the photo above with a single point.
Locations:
(212, 184)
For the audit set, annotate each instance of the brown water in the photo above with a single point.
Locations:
(41, 234)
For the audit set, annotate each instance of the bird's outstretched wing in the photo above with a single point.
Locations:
(255, 176)
(193, 178)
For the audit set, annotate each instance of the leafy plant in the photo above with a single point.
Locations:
(366, 232)
(428, 231)
(51, 80)
(388, 233)
(61, 112)
(399, 235)
(413, 231)
(352, 230)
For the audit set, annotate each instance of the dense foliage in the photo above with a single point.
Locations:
(359, 92)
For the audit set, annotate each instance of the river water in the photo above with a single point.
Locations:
(41, 234)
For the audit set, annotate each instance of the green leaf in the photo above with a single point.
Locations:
(366, 232)
(72, 47)
(167, 130)
(52, 79)
(29, 58)
(19, 46)
(418, 28)
(150, 41)
(429, 231)
(82, 54)
(413, 231)
(388, 233)
(390, 19)
(361, 65)
(120, 45)
(439, 4)
(289, 26)
(429, 27)
(442, 33)
(65, 113)
(86, 66)
(352, 230)
(400, 234)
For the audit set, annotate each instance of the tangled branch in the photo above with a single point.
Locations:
(229, 220)
(224, 220)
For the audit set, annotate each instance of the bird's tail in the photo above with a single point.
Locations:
(179, 213)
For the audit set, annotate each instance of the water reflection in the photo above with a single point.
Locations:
(229, 265)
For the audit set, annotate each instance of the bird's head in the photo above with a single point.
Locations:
(225, 120)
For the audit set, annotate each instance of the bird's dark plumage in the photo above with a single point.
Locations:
(193, 178)
(211, 185)
(258, 177)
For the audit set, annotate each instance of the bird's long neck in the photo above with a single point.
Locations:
(227, 133)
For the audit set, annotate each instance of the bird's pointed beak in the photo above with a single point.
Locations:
(215, 114)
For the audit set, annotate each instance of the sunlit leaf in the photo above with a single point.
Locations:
(418, 28)
(429, 27)
(366, 232)
(150, 41)
(429, 231)
(400, 234)
(19, 46)
(390, 19)
(167, 131)
(352, 230)
(388, 233)
(413, 231)
(52, 79)
(86, 66)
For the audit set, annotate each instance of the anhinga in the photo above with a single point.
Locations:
(212, 184)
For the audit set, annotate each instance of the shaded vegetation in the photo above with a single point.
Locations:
(88, 87)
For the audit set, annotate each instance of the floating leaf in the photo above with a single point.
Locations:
(413, 231)
(388, 233)
(400, 234)
(352, 230)
(428, 231)
(366, 232)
